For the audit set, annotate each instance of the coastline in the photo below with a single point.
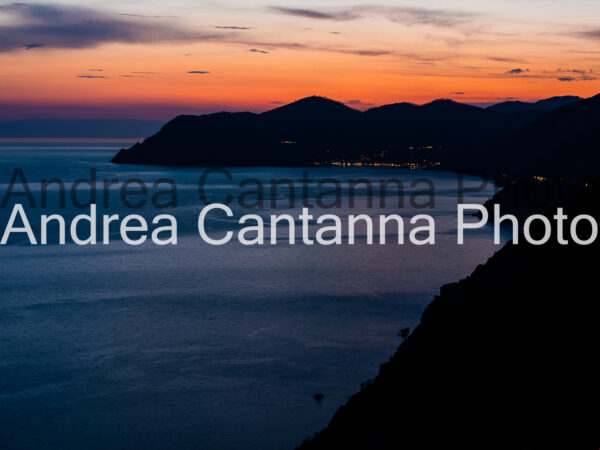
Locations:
(475, 372)
(357, 304)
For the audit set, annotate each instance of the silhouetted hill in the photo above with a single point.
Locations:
(319, 130)
(562, 142)
(551, 103)
(573, 122)
(504, 359)
(442, 122)
(313, 111)
(511, 107)
(548, 104)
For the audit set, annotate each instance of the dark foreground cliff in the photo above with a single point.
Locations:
(505, 359)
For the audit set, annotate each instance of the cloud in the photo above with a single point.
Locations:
(398, 14)
(90, 76)
(256, 50)
(322, 48)
(357, 103)
(422, 16)
(565, 75)
(503, 59)
(517, 71)
(96, 70)
(457, 93)
(145, 16)
(32, 26)
(568, 75)
(230, 27)
(355, 51)
(275, 45)
(577, 71)
(35, 25)
(590, 34)
(309, 13)
(366, 52)
(576, 75)
(200, 72)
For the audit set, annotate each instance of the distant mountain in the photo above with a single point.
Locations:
(78, 128)
(565, 140)
(562, 142)
(319, 130)
(313, 111)
(548, 104)
(441, 122)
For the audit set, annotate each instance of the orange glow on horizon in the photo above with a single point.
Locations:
(140, 78)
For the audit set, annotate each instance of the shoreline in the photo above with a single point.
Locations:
(519, 290)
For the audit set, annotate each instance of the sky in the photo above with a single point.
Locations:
(152, 59)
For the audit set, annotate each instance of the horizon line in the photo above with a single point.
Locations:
(170, 111)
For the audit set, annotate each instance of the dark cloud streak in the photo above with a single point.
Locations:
(332, 49)
(506, 60)
(398, 14)
(62, 26)
(74, 27)
(309, 13)
(517, 71)
(230, 27)
(590, 34)
(147, 17)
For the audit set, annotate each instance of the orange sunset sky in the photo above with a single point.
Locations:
(151, 59)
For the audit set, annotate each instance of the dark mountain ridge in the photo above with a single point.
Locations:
(562, 142)
(443, 133)
(318, 130)
(312, 111)
(545, 105)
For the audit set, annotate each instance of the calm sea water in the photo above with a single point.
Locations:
(195, 346)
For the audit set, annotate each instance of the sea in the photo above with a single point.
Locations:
(201, 346)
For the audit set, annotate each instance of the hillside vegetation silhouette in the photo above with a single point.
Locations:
(562, 142)
(504, 359)
(316, 130)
